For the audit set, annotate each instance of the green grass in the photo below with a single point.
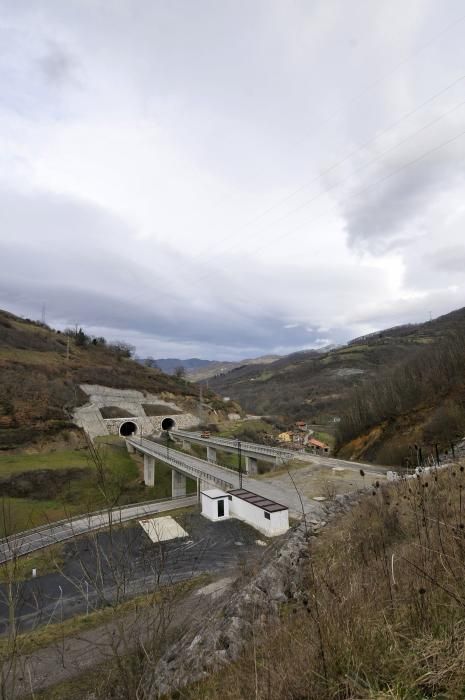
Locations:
(60, 459)
(123, 485)
(292, 465)
(224, 459)
(324, 437)
(264, 376)
(18, 514)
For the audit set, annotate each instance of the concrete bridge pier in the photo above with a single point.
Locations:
(211, 454)
(186, 445)
(251, 466)
(149, 470)
(131, 448)
(178, 484)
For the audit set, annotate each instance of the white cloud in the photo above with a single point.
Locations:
(193, 177)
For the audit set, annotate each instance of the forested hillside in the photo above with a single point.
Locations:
(418, 403)
(316, 385)
(391, 390)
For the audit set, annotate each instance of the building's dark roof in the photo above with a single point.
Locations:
(256, 500)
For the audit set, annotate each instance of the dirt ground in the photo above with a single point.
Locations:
(316, 481)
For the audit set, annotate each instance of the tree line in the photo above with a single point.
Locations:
(432, 378)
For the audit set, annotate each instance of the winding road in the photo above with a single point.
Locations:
(23, 543)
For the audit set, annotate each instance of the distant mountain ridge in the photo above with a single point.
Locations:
(169, 365)
(198, 370)
(317, 384)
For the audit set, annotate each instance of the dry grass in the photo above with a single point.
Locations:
(383, 613)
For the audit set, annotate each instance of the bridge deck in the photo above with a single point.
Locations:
(190, 466)
(266, 450)
(224, 477)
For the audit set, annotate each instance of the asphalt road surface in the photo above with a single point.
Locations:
(32, 540)
(258, 449)
(103, 567)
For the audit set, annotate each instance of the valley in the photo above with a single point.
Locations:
(104, 432)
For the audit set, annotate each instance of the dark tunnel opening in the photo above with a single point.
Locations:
(168, 424)
(128, 428)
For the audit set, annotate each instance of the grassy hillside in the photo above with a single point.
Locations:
(314, 385)
(411, 409)
(213, 369)
(39, 379)
(393, 389)
(382, 612)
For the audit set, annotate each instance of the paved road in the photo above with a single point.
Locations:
(31, 540)
(267, 450)
(73, 656)
(224, 477)
(187, 464)
(100, 568)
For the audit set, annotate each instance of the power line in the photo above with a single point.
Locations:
(340, 162)
(367, 188)
(381, 180)
(377, 158)
(362, 167)
(365, 90)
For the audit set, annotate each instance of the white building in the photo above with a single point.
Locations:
(215, 504)
(266, 516)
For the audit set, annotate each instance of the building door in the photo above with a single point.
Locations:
(220, 508)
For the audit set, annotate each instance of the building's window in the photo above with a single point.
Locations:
(230, 498)
(267, 515)
(220, 508)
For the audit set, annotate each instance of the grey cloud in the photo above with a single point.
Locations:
(244, 93)
(390, 214)
(75, 258)
(448, 259)
(413, 310)
(57, 65)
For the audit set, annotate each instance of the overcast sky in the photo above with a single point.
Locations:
(229, 178)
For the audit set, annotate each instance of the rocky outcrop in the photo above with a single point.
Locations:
(221, 637)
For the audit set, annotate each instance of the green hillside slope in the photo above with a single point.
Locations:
(419, 362)
(314, 384)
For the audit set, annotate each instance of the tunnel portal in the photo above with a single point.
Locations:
(128, 428)
(168, 424)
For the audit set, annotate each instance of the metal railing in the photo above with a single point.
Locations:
(156, 450)
(248, 446)
(44, 529)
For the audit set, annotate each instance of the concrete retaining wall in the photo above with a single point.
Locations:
(150, 424)
(131, 401)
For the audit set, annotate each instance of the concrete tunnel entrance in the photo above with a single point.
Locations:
(127, 428)
(168, 424)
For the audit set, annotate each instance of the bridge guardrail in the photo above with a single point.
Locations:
(251, 446)
(69, 521)
(161, 454)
